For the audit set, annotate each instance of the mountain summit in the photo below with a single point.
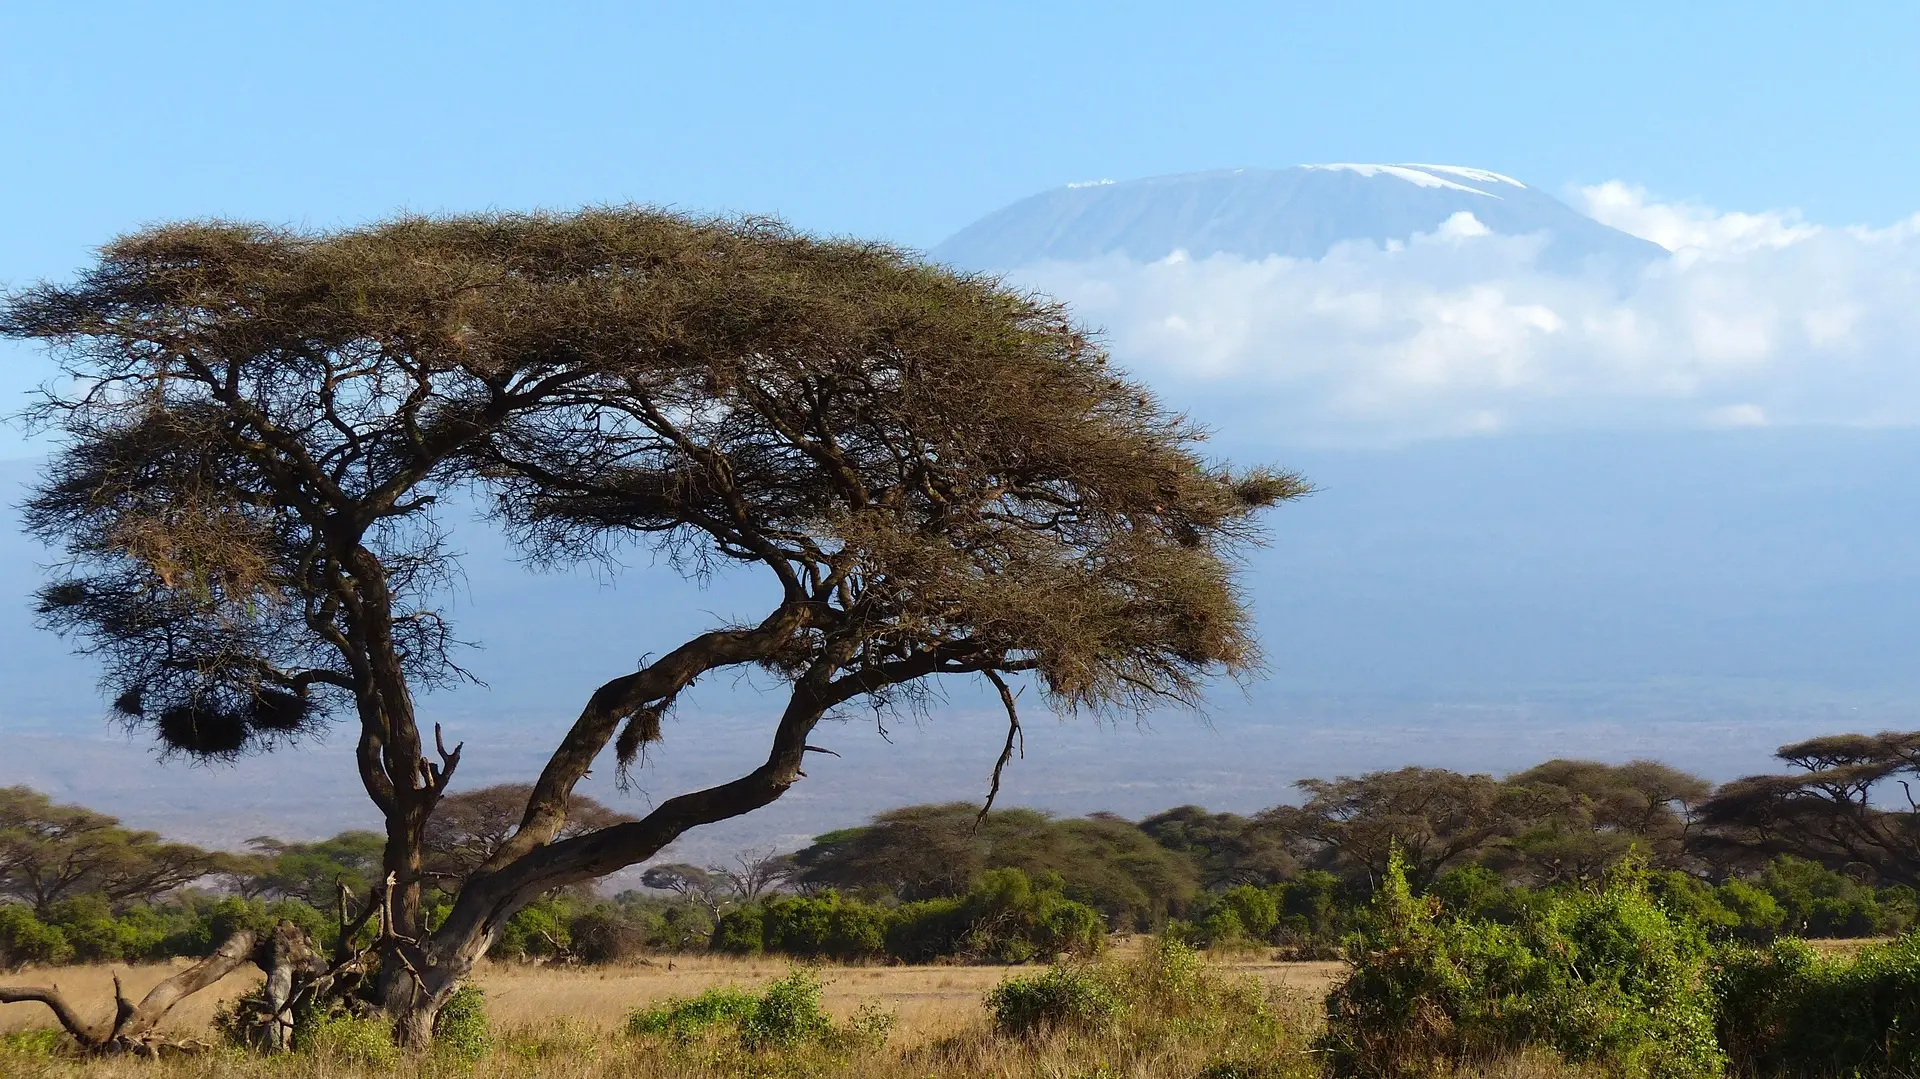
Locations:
(1298, 212)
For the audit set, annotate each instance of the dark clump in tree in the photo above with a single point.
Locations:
(941, 476)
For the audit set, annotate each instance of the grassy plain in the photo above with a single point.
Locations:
(930, 1002)
(565, 1023)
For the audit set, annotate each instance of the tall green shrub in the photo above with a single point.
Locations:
(25, 939)
(1605, 978)
(1785, 1010)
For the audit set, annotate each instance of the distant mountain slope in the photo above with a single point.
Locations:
(1297, 212)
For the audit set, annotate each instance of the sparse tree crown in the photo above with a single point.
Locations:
(942, 475)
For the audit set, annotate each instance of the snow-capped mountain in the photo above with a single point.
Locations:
(1298, 212)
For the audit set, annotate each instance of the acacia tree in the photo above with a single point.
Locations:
(942, 477)
(51, 852)
(1433, 818)
(1573, 819)
(469, 826)
(1849, 805)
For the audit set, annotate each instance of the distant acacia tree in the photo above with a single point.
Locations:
(940, 475)
(1849, 804)
(928, 851)
(706, 888)
(1229, 849)
(51, 852)
(469, 827)
(1436, 818)
(1573, 819)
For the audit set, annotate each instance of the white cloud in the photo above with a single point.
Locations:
(1757, 319)
(1690, 229)
(1461, 224)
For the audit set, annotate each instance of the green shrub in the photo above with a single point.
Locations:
(1314, 915)
(690, 1017)
(825, 926)
(26, 939)
(1257, 910)
(786, 1015)
(929, 929)
(1003, 918)
(461, 1027)
(741, 931)
(41, 1042)
(1009, 920)
(1067, 997)
(202, 924)
(365, 1042)
(1785, 1010)
(606, 934)
(536, 931)
(1164, 995)
(1818, 902)
(1757, 915)
(1605, 978)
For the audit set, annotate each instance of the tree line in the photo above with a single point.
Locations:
(1810, 851)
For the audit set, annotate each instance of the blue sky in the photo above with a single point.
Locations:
(907, 121)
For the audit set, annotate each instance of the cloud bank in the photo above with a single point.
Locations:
(1755, 319)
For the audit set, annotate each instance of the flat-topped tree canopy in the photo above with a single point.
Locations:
(944, 475)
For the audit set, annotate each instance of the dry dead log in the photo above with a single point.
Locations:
(131, 1028)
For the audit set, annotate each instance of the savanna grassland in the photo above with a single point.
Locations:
(930, 1001)
(1170, 1012)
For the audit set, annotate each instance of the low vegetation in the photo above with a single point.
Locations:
(1572, 919)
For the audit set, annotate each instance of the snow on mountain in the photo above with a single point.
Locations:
(1298, 212)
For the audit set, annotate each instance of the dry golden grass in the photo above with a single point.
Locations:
(565, 1023)
(930, 1002)
(90, 988)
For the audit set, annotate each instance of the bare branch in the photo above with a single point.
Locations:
(1006, 751)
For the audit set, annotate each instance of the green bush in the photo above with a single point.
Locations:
(1065, 997)
(461, 1027)
(825, 926)
(365, 1042)
(1004, 918)
(40, 1042)
(606, 934)
(1818, 902)
(1785, 1010)
(741, 931)
(536, 931)
(1009, 920)
(1606, 978)
(686, 1018)
(786, 1015)
(203, 924)
(1163, 995)
(26, 939)
(1241, 916)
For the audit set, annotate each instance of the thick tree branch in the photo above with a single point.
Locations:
(658, 681)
